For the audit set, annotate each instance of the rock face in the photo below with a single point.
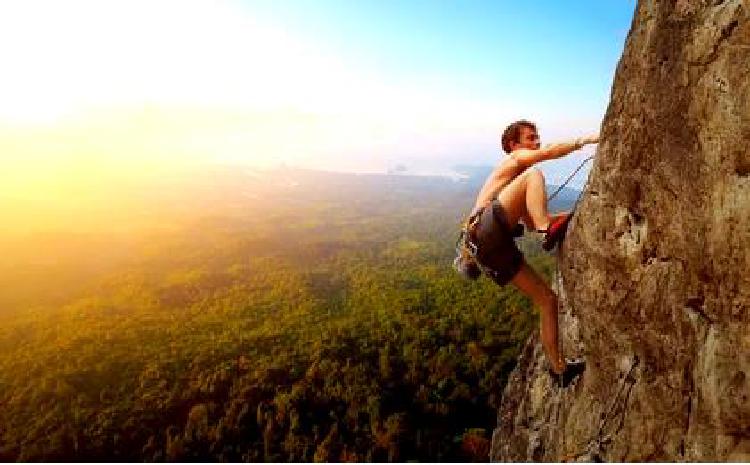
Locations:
(655, 270)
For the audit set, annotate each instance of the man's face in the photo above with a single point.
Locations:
(529, 139)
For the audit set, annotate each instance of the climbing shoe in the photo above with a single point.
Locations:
(573, 368)
(556, 232)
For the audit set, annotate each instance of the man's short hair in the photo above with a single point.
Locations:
(513, 133)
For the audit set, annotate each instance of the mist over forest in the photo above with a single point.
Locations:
(255, 315)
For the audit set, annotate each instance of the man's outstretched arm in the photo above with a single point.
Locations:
(528, 157)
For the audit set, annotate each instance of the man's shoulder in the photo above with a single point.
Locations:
(508, 163)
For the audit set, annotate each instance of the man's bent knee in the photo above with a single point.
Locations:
(535, 173)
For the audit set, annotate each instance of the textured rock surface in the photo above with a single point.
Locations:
(656, 267)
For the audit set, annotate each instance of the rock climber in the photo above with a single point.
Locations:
(513, 192)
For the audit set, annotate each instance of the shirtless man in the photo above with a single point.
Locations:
(514, 192)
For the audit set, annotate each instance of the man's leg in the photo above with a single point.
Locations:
(526, 198)
(528, 282)
(526, 218)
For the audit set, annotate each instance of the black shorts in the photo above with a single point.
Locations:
(496, 250)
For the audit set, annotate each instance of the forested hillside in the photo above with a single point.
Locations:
(295, 316)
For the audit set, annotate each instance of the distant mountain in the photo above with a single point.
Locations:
(473, 173)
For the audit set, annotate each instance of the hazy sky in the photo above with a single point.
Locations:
(91, 87)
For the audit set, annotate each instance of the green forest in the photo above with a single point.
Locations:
(300, 316)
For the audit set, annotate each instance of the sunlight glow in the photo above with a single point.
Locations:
(98, 94)
(200, 65)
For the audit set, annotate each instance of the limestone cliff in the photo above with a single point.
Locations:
(656, 268)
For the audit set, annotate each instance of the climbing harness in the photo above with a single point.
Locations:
(464, 242)
(467, 249)
(466, 262)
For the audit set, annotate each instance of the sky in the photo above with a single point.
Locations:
(96, 92)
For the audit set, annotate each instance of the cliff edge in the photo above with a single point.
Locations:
(655, 270)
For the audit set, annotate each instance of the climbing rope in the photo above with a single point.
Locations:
(595, 446)
(559, 390)
(568, 180)
(559, 249)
